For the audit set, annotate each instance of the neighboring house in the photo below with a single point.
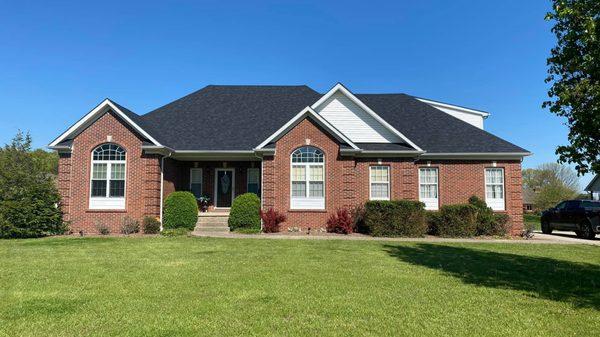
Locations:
(528, 200)
(594, 188)
(304, 153)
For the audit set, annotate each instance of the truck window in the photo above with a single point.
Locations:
(573, 204)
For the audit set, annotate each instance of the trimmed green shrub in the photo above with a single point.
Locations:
(434, 221)
(245, 212)
(404, 218)
(488, 222)
(457, 221)
(171, 232)
(150, 225)
(180, 211)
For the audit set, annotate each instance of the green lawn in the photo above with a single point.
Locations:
(184, 286)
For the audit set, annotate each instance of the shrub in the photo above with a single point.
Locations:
(340, 222)
(102, 228)
(150, 225)
(272, 220)
(245, 212)
(181, 231)
(358, 216)
(395, 218)
(434, 221)
(180, 211)
(29, 200)
(488, 222)
(457, 221)
(129, 225)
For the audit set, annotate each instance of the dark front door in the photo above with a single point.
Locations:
(224, 187)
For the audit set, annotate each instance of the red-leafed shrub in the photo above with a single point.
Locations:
(272, 220)
(340, 222)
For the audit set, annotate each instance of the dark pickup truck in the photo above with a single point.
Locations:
(580, 216)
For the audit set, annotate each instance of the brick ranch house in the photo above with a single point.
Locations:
(304, 153)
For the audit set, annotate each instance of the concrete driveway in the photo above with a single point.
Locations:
(566, 237)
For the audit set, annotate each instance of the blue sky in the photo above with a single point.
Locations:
(58, 61)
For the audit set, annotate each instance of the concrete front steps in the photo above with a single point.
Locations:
(212, 222)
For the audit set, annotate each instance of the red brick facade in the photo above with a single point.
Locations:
(142, 192)
(346, 178)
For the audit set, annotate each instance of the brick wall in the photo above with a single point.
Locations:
(347, 179)
(142, 194)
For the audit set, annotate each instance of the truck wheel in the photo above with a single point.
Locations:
(587, 232)
(546, 229)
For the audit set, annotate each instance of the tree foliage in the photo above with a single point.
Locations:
(574, 72)
(28, 195)
(551, 183)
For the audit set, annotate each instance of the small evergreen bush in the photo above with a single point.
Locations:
(245, 212)
(180, 211)
(488, 222)
(403, 218)
(129, 225)
(457, 221)
(272, 221)
(340, 222)
(358, 216)
(434, 221)
(150, 225)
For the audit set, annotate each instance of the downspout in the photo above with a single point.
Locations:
(162, 183)
(261, 187)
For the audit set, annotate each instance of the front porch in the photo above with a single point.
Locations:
(218, 180)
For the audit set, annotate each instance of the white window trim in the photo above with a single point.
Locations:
(201, 178)
(248, 178)
(232, 185)
(107, 203)
(431, 204)
(497, 204)
(371, 182)
(307, 202)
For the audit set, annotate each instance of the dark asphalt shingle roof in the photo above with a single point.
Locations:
(241, 117)
(431, 129)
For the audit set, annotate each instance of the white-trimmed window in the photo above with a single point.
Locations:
(308, 179)
(494, 188)
(428, 188)
(196, 182)
(107, 187)
(379, 179)
(253, 182)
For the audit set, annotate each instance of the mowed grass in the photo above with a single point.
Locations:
(185, 286)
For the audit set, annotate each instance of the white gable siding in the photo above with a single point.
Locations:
(470, 116)
(476, 120)
(354, 122)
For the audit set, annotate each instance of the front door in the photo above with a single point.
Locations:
(224, 186)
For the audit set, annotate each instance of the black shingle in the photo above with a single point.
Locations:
(241, 117)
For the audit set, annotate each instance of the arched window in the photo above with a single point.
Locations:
(108, 177)
(308, 178)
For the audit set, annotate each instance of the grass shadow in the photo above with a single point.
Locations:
(557, 280)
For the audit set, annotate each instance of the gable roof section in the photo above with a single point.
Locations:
(340, 88)
(63, 141)
(435, 131)
(231, 119)
(308, 112)
(228, 118)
